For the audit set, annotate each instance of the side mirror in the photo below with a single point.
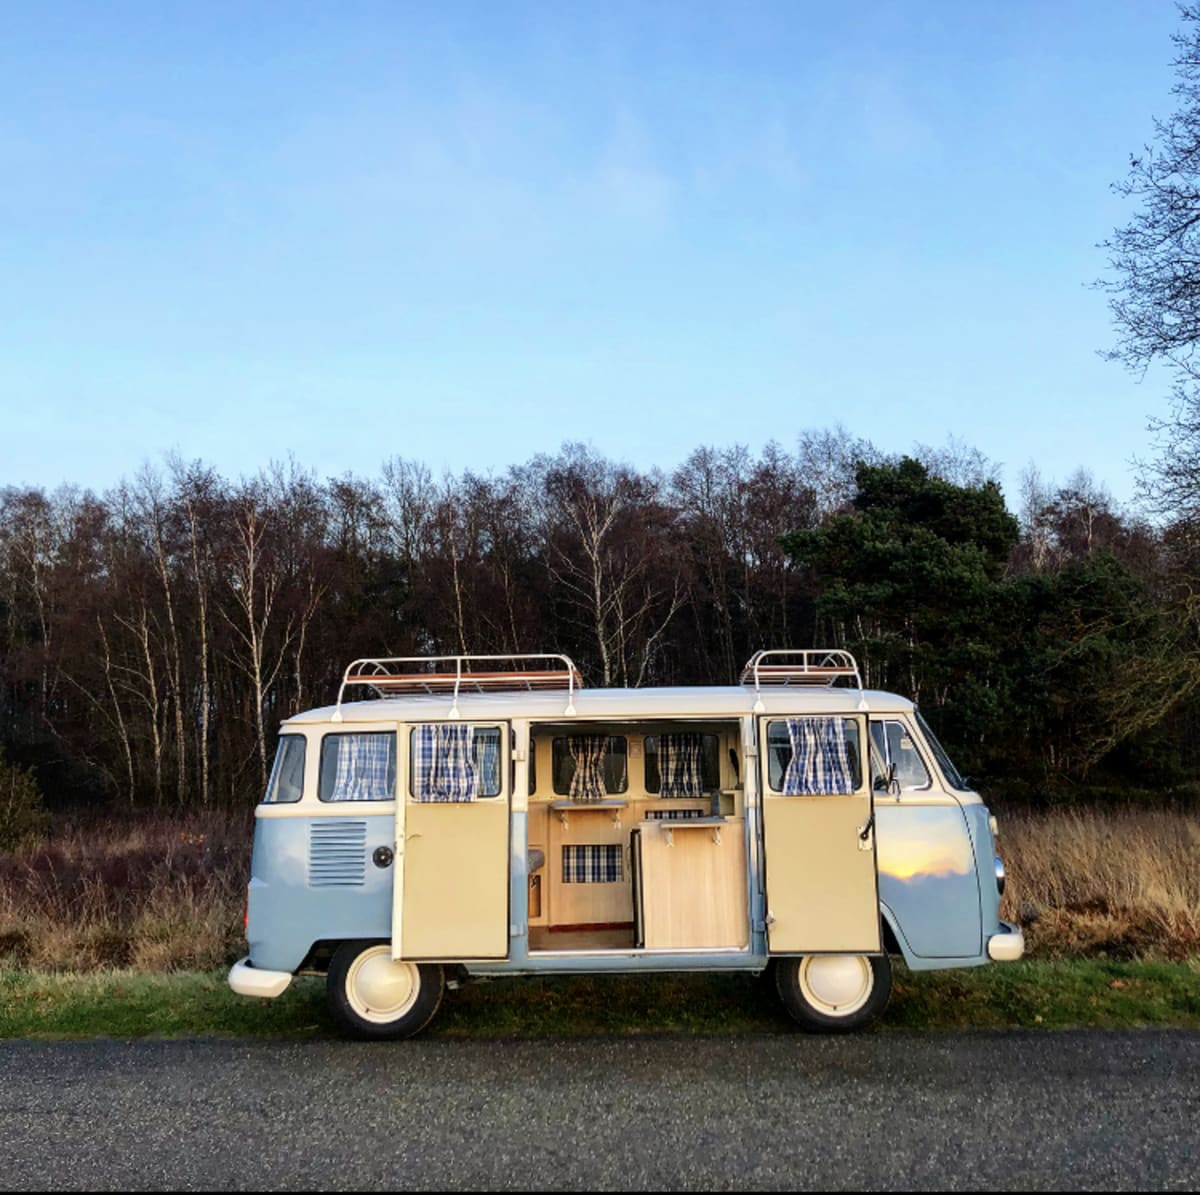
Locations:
(888, 784)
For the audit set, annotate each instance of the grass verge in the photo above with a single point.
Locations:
(1029, 994)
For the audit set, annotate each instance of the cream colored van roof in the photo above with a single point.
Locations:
(611, 704)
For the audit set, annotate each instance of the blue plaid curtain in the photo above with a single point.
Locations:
(820, 763)
(588, 750)
(487, 758)
(442, 766)
(679, 765)
(673, 815)
(365, 770)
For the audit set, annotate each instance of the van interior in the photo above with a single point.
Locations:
(637, 837)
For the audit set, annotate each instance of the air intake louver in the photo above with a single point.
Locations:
(337, 854)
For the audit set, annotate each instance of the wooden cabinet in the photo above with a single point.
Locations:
(601, 901)
(693, 884)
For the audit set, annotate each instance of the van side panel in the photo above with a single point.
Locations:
(313, 879)
(928, 878)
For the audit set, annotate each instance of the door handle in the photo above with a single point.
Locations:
(866, 832)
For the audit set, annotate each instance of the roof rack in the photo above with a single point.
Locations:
(808, 666)
(457, 674)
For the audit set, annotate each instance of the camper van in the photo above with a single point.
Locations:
(469, 817)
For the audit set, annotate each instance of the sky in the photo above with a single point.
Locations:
(466, 233)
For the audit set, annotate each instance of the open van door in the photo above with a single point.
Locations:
(818, 836)
(450, 895)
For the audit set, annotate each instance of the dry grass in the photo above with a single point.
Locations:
(1106, 884)
(168, 894)
(151, 893)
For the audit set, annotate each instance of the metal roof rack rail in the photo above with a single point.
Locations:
(456, 674)
(806, 666)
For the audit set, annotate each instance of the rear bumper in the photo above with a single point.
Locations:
(1008, 945)
(248, 980)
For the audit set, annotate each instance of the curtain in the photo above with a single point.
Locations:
(680, 765)
(820, 763)
(365, 768)
(588, 751)
(487, 758)
(443, 769)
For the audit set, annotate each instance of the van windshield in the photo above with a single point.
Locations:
(953, 777)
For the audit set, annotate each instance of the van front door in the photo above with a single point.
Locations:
(818, 836)
(450, 899)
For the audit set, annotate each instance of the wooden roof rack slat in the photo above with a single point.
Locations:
(456, 674)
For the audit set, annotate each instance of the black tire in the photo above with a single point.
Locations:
(865, 980)
(375, 999)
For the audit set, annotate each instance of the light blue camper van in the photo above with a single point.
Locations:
(479, 816)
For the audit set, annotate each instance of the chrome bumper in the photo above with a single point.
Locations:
(248, 980)
(1008, 945)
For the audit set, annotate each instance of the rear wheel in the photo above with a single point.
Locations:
(373, 996)
(834, 993)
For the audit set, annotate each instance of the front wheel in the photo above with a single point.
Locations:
(834, 993)
(373, 996)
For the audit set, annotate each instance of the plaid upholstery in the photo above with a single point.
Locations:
(820, 763)
(673, 815)
(680, 759)
(366, 767)
(591, 864)
(588, 750)
(443, 769)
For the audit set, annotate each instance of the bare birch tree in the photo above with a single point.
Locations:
(253, 582)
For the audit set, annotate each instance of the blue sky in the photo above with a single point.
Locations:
(465, 233)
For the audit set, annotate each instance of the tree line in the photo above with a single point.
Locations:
(153, 637)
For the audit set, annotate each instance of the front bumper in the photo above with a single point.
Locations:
(248, 980)
(1008, 945)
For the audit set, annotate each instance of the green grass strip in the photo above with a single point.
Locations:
(1027, 995)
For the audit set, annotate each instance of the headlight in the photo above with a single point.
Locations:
(1000, 876)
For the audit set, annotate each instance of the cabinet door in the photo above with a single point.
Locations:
(819, 840)
(450, 901)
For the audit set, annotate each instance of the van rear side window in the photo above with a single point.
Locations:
(358, 767)
(286, 784)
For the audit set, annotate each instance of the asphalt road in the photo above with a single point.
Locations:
(892, 1111)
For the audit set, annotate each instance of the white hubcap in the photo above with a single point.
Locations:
(379, 988)
(836, 985)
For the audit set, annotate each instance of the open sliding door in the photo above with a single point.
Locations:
(450, 901)
(819, 837)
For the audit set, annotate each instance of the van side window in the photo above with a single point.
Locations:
(358, 767)
(895, 744)
(814, 756)
(287, 775)
(589, 767)
(693, 764)
(451, 762)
